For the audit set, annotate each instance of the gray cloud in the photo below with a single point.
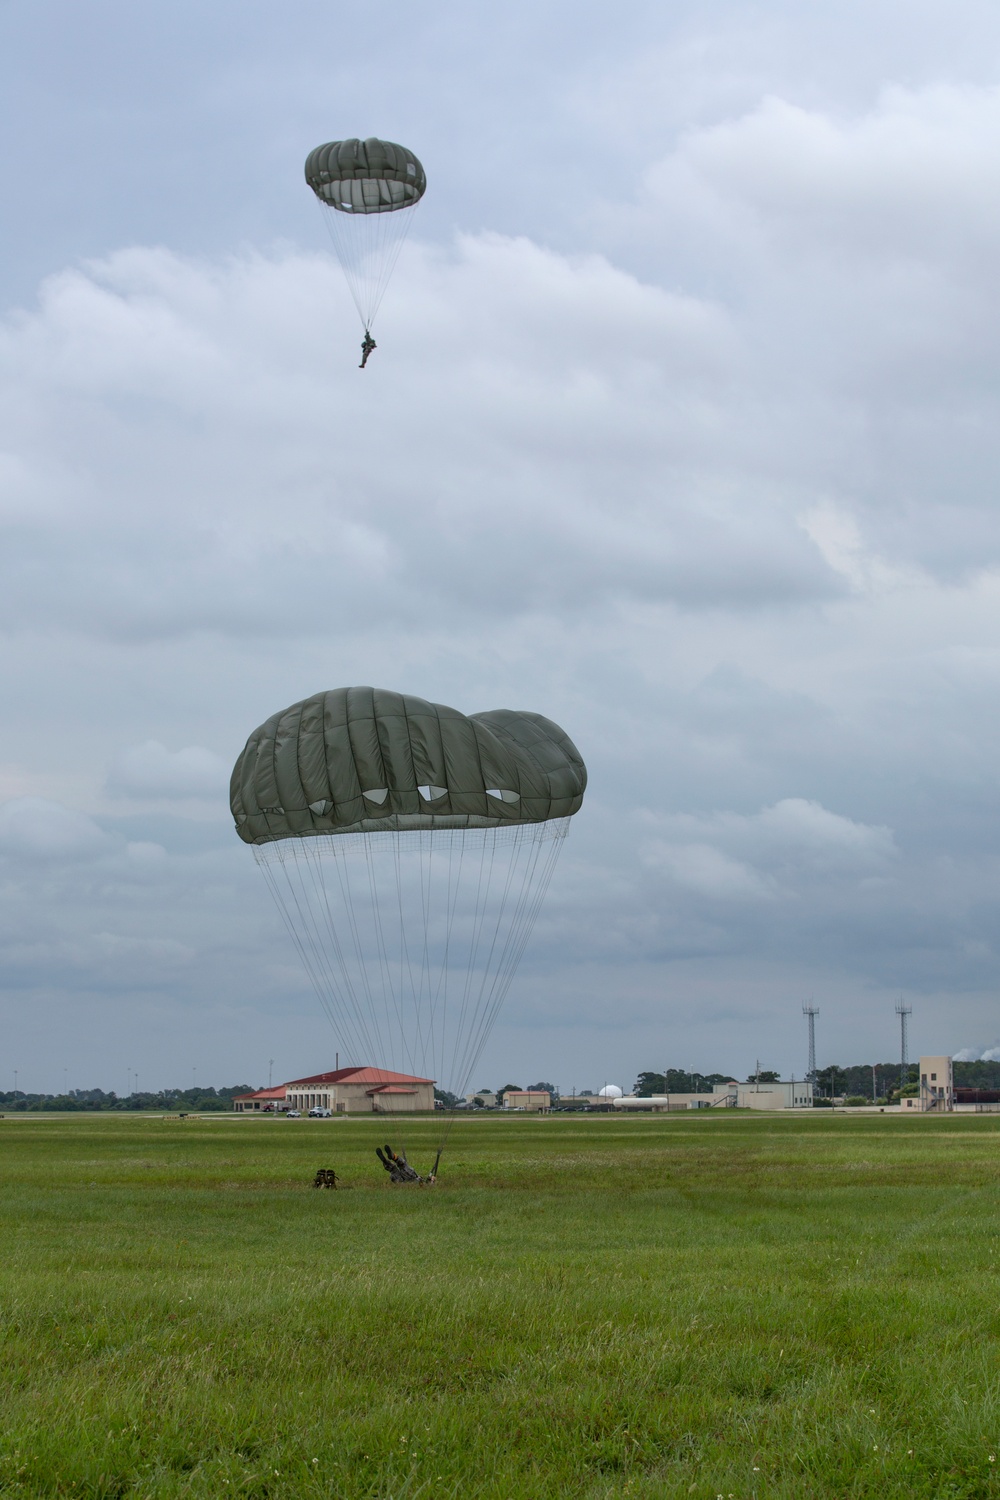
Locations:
(151, 770)
(32, 828)
(697, 455)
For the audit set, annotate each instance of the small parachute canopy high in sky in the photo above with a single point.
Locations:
(409, 848)
(366, 189)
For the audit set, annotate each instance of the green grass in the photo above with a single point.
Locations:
(648, 1307)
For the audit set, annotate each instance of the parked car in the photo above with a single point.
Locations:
(318, 1113)
(292, 1114)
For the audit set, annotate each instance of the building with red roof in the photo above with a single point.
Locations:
(344, 1091)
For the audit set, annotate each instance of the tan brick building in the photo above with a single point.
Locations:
(344, 1091)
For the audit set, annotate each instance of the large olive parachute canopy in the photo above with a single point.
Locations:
(408, 847)
(362, 759)
(365, 177)
(366, 186)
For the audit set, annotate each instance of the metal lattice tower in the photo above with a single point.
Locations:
(811, 1012)
(904, 1012)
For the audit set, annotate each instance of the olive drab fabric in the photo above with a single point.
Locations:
(365, 177)
(362, 759)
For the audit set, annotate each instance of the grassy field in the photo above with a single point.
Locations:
(658, 1306)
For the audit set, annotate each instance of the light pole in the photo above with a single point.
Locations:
(270, 1065)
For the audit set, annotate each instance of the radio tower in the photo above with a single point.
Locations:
(904, 1012)
(811, 1012)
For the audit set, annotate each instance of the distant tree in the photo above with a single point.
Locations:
(446, 1097)
(648, 1084)
(676, 1081)
(831, 1080)
(546, 1088)
(509, 1088)
(767, 1076)
(977, 1075)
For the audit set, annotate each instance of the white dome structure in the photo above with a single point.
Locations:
(610, 1091)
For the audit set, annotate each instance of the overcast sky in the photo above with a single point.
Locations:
(682, 430)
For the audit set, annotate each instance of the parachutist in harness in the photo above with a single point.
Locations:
(399, 1168)
(367, 345)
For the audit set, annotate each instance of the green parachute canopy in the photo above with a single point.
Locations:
(365, 177)
(365, 188)
(409, 847)
(363, 759)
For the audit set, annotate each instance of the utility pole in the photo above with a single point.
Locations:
(904, 1012)
(270, 1065)
(874, 1083)
(810, 1012)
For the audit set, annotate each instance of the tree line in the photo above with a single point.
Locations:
(858, 1080)
(889, 1079)
(200, 1100)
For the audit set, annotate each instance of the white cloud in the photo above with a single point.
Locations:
(700, 458)
(775, 850)
(151, 770)
(710, 872)
(32, 828)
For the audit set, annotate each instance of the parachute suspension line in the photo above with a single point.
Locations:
(356, 1013)
(368, 247)
(303, 934)
(306, 942)
(530, 900)
(317, 864)
(404, 954)
(483, 880)
(398, 1032)
(427, 894)
(460, 1066)
(429, 995)
(454, 885)
(517, 940)
(429, 999)
(527, 906)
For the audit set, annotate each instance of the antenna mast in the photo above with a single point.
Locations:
(811, 1012)
(904, 1012)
